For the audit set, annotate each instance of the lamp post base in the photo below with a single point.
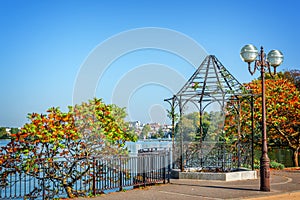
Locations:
(265, 173)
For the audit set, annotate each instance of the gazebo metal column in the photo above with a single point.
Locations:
(172, 113)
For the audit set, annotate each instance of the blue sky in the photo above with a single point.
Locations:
(45, 43)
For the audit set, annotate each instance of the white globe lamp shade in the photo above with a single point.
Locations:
(249, 53)
(275, 58)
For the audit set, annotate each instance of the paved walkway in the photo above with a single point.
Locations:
(284, 185)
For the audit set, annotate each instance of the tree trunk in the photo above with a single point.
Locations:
(67, 188)
(295, 155)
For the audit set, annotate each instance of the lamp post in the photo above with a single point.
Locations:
(249, 53)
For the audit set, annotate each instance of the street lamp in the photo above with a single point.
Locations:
(249, 53)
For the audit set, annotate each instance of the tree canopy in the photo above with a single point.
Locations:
(87, 130)
(3, 133)
(283, 113)
(145, 132)
(293, 76)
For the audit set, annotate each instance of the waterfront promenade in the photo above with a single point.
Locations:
(285, 184)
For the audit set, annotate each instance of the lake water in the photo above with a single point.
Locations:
(4, 142)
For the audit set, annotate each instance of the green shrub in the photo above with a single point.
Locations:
(256, 164)
(276, 165)
(273, 164)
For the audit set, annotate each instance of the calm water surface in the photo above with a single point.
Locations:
(4, 142)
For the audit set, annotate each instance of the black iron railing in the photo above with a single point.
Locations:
(215, 155)
(85, 177)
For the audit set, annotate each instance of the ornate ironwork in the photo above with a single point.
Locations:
(98, 175)
(210, 83)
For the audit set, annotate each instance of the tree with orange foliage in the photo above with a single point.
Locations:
(283, 113)
(62, 145)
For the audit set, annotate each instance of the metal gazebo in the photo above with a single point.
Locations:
(211, 87)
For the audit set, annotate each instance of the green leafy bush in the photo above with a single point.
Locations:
(256, 164)
(273, 164)
(276, 165)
